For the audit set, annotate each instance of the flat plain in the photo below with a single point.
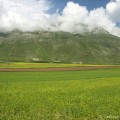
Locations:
(60, 95)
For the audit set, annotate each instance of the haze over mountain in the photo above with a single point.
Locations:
(35, 15)
(96, 47)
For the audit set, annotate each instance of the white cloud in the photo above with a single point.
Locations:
(23, 14)
(72, 16)
(113, 9)
(99, 18)
(32, 15)
(76, 18)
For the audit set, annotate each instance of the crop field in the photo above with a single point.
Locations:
(34, 65)
(42, 65)
(60, 95)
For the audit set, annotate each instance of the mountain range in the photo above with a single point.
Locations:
(96, 47)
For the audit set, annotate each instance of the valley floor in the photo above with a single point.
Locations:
(19, 67)
(60, 95)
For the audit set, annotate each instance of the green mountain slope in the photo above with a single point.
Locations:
(88, 48)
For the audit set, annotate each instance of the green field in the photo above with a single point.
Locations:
(39, 65)
(43, 65)
(64, 95)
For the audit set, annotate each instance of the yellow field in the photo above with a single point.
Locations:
(41, 65)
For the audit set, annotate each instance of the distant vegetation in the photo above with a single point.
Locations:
(46, 65)
(35, 65)
(60, 47)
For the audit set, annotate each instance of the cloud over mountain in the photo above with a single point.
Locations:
(113, 9)
(25, 15)
(33, 15)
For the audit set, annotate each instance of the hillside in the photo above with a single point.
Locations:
(61, 47)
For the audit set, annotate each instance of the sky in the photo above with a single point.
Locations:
(74, 16)
(90, 4)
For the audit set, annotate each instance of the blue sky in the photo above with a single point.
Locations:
(90, 4)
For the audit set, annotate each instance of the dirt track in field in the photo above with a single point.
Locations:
(56, 69)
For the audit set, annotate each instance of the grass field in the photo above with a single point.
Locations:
(34, 65)
(63, 95)
(42, 65)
